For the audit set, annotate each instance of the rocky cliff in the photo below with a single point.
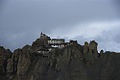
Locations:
(72, 62)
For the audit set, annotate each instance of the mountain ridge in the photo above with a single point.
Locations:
(55, 59)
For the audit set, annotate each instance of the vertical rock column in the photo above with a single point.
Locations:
(93, 53)
(23, 65)
(85, 51)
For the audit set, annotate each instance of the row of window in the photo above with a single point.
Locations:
(55, 42)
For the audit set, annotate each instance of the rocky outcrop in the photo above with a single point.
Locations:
(23, 64)
(10, 67)
(5, 54)
(72, 62)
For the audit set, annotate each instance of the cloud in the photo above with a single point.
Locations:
(106, 33)
(21, 21)
(88, 29)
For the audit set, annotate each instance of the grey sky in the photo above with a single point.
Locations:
(21, 21)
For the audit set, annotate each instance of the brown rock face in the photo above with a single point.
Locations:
(72, 62)
(41, 42)
(23, 65)
(10, 67)
(5, 54)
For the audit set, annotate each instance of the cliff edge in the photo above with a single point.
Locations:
(55, 59)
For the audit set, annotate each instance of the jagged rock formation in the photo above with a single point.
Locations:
(72, 62)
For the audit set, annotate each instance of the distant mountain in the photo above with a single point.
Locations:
(55, 59)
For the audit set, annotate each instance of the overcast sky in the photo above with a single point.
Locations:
(21, 21)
